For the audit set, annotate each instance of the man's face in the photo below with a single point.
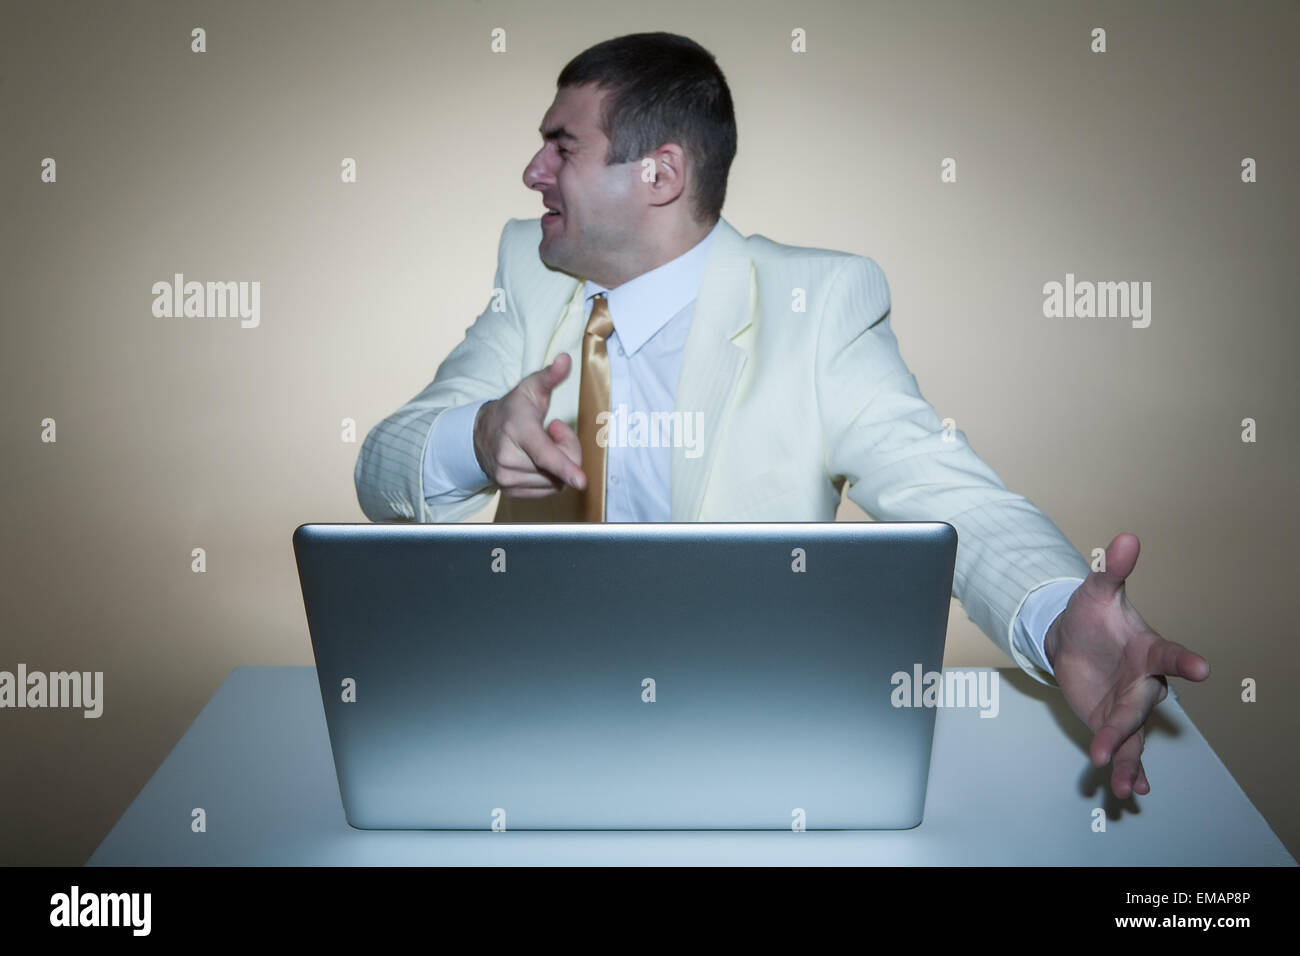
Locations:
(596, 231)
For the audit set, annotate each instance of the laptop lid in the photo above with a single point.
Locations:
(627, 676)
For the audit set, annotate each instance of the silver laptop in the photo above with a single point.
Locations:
(627, 676)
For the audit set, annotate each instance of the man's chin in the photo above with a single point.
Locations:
(552, 258)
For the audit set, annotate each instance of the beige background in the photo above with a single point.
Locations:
(183, 433)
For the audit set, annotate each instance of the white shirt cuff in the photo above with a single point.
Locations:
(1037, 613)
(451, 469)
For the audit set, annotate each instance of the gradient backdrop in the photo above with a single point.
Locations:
(225, 165)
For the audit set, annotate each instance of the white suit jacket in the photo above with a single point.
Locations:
(792, 361)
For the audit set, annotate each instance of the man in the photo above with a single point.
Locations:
(780, 365)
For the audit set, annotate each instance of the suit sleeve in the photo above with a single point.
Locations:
(390, 468)
(887, 442)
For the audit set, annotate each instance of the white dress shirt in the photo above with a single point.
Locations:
(652, 316)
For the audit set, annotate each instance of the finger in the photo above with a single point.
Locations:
(1128, 761)
(1121, 557)
(546, 379)
(548, 456)
(529, 482)
(1143, 785)
(514, 457)
(1170, 657)
(532, 492)
(527, 478)
(567, 439)
(1125, 719)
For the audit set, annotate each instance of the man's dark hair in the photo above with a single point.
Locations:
(663, 88)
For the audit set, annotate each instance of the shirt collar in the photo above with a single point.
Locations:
(642, 306)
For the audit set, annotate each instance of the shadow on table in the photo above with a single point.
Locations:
(1092, 780)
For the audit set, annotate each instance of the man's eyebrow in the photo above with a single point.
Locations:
(557, 132)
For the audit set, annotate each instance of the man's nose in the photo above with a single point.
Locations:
(535, 173)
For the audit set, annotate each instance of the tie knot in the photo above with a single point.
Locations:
(600, 323)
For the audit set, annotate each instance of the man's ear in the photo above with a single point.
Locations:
(665, 170)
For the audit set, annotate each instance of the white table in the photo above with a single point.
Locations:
(1015, 790)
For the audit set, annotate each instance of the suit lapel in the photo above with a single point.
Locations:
(564, 505)
(717, 348)
(569, 328)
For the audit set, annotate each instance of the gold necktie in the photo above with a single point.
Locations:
(593, 398)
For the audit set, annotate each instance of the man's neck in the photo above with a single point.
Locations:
(672, 248)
